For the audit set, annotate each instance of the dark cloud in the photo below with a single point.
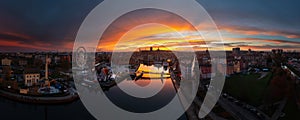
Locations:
(234, 44)
(15, 37)
(53, 22)
(269, 15)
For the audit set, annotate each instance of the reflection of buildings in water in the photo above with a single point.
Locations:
(153, 64)
(153, 71)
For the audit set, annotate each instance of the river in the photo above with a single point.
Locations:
(11, 110)
(163, 93)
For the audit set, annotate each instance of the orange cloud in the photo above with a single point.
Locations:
(16, 40)
(129, 21)
(8, 43)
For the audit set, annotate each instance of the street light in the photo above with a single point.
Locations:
(169, 60)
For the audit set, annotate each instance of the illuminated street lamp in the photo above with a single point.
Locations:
(169, 60)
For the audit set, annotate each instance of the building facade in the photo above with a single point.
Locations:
(22, 62)
(6, 62)
(31, 79)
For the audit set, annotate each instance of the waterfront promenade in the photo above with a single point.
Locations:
(72, 96)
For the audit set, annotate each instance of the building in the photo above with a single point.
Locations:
(7, 72)
(22, 62)
(65, 57)
(6, 62)
(230, 69)
(31, 77)
(244, 65)
(205, 71)
(237, 67)
(28, 56)
(56, 59)
(236, 51)
(249, 51)
(24, 91)
(277, 51)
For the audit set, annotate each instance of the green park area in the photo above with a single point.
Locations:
(291, 111)
(249, 88)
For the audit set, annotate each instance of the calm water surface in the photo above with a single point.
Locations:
(76, 111)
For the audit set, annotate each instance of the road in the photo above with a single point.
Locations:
(238, 112)
(241, 112)
(211, 114)
(278, 111)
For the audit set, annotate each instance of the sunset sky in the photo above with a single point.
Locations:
(43, 25)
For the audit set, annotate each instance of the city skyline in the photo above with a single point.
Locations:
(135, 59)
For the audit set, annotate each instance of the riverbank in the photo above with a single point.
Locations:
(38, 100)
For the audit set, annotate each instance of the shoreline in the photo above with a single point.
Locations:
(38, 100)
